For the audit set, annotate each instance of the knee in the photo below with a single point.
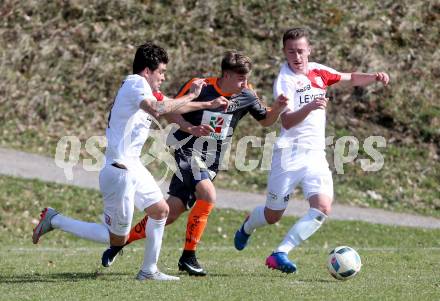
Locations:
(272, 219)
(272, 216)
(208, 196)
(117, 240)
(163, 212)
(322, 203)
(158, 211)
(326, 209)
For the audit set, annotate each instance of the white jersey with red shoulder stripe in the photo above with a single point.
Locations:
(128, 125)
(302, 89)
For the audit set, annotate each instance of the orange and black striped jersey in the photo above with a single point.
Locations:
(223, 123)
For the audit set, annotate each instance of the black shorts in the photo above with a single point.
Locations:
(184, 181)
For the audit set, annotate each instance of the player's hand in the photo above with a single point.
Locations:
(382, 77)
(196, 86)
(280, 103)
(201, 130)
(317, 103)
(219, 102)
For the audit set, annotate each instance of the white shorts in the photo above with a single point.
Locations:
(292, 167)
(124, 189)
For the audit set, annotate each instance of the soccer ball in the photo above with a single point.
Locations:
(344, 263)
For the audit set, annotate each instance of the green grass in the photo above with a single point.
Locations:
(398, 263)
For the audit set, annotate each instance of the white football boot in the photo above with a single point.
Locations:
(155, 276)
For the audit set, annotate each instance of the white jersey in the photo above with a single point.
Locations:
(302, 89)
(128, 125)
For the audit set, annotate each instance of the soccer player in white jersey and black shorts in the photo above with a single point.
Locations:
(124, 181)
(299, 153)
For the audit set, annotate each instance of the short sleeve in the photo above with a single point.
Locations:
(254, 105)
(158, 95)
(329, 75)
(257, 109)
(140, 90)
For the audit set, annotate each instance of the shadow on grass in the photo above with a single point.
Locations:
(66, 277)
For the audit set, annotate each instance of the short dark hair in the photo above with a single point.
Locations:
(149, 55)
(236, 62)
(295, 34)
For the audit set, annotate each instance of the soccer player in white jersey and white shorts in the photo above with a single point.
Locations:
(124, 181)
(299, 152)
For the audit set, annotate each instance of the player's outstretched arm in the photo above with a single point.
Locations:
(167, 105)
(183, 104)
(365, 79)
(274, 111)
(219, 102)
(291, 118)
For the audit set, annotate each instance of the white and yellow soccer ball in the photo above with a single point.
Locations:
(344, 263)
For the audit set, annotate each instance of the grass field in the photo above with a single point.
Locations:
(398, 263)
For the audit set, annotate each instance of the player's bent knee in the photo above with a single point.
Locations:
(158, 211)
(321, 202)
(325, 208)
(272, 216)
(205, 190)
(117, 240)
(207, 196)
(272, 220)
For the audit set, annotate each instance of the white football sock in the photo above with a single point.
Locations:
(256, 220)
(90, 231)
(154, 231)
(303, 229)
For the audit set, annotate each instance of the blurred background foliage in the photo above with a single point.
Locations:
(62, 62)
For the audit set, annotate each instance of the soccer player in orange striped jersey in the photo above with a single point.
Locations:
(209, 132)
